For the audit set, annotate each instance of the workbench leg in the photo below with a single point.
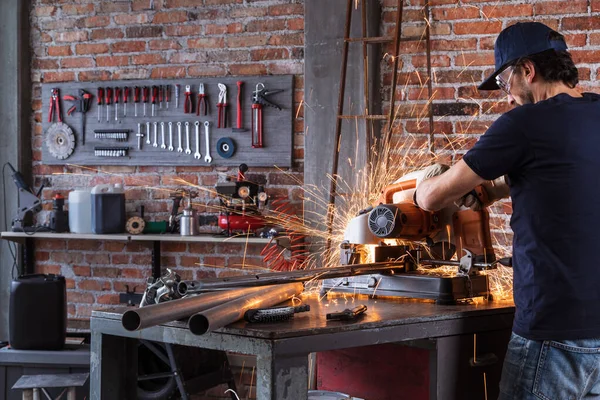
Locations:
(113, 367)
(282, 378)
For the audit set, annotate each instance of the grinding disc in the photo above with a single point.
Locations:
(135, 225)
(60, 140)
(226, 147)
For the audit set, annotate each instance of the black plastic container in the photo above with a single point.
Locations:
(108, 209)
(38, 312)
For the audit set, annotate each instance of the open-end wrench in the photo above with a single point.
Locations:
(147, 132)
(155, 144)
(162, 135)
(179, 149)
(170, 136)
(188, 150)
(207, 157)
(197, 154)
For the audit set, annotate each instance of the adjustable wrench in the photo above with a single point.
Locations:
(197, 154)
(179, 149)
(147, 132)
(155, 144)
(207, 158)
(188, 150)
(170, 136)
(162, 135)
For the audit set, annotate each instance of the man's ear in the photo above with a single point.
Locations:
(528, 70)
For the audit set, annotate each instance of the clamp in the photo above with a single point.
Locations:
(188, 107)
(222, 106)
(259, 99)
(201, 100)
(54, 104)
(82, 105)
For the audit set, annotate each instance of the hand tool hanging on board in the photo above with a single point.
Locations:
(225, 147)
(145, 93)
(117, 99)
(154, 98)
(168, 95)
(99, 97)
(259, 99)
(202, 103)
(188, 107)
(239, 127)
(54, 105)
(177, 87)
(139, 135)
(107, 100)
(160, 95)
(222, 106)
(136, 99)
(60, 140)
(82, 105)
(125, 100)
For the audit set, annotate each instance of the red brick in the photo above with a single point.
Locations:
(470, 59)
(246, 12)
(285, 67)
(560, 7)
(188, 261)
(112, 33)
(61, 24)
(269, 54)
(192, 57)
(286, 9)
(112, 61)
(58, 77)
(72, 36)
(81, 270)
(77, 9)
(93, 48)
(219, 2)
(436, 61)
(181, 3)
(44, 11)
(115, 247)
(497, 11)
(201, 248)
(94, 75)
(131, 19)
(164, 45)
(206, 43)
(595, 5)
(86, 245)
(183, 30)
(77, 62)
(108, 299)
(292, 39)
(96, 22)
(454, 13)
(141, 259)
(120, 259)
(169, 17)
(472, 126)
(144, 31)
(45, 63)
(77, 297)
(266, 25)
(248, 69)
(585, 56)
(110, 7)
(214, 261)
(576, 40)
(106, 272)
(588, 23)
(57, 51)
(133, 273)
(148, 59)
(247, 41)
(174, 247)
(296, 24)
(138, 5)
(214, 29)
(128, 47)
(208, 70)
(97, 258)
(93, 285)
(477, 28)
(140, 180)
(168, 72)
(177, 180)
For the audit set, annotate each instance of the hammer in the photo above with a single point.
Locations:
(239, 127)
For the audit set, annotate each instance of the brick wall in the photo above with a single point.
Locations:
(109, 40)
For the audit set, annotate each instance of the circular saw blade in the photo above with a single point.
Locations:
(60, 140)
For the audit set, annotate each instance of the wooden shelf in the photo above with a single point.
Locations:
(21, 236)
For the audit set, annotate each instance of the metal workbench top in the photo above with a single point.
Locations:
(381, 312)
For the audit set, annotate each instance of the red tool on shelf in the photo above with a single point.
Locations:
(202, 103)
(222, 106)
(239, 127)
(54, 105)
(259, 99)
(188, 107)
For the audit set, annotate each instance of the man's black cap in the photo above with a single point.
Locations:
(520, 40)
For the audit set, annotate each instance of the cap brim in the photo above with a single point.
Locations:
(490, 82)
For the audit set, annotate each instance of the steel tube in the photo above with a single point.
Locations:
(168, 311)
(274, 278)
(227, 313)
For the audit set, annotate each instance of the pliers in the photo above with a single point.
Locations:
(188, 107)
(54, 104)
(201, 100)
(222, 105)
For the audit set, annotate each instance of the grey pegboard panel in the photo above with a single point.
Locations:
(277, 125)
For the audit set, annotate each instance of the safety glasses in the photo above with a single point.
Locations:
(503, 81)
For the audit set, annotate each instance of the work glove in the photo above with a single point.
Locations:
(431, 171)
(494, 190)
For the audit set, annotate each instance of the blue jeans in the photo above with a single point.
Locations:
(551, 370)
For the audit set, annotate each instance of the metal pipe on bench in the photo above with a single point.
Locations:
(232, 311)
(173, 310)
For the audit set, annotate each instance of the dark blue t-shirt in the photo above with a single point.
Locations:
(551, 153)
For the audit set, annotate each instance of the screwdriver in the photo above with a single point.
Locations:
(136, 98)
(125, 100)
(145, 97)
(100, 95)
(176, 96)
(154, 96)
(107, 101)
(168, 95)
(117, 95)
(160, 96)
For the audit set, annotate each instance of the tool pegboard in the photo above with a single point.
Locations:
(113, 139)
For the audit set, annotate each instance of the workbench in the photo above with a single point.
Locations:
(282, 349)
